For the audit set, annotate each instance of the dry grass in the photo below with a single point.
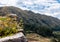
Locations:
(32, 37)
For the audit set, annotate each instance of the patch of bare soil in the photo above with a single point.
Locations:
(32, 37)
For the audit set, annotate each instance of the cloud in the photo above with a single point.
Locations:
(8, 2)
(47, 7)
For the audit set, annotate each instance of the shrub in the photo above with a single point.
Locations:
(9, 26)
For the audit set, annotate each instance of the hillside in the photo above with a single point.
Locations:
(31, 17)
(33, 21)
(37, 23)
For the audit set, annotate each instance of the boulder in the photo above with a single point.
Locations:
(18, 37)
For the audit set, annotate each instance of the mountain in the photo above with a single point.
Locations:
(32, 21)
(30, 17)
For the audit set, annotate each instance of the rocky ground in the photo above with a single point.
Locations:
(32, 37)
(18, 37)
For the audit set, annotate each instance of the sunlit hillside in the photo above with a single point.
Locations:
(9, 25)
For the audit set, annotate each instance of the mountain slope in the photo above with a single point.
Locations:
(34, 22)
(30, 17)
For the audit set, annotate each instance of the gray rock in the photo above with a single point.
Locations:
(19, 37)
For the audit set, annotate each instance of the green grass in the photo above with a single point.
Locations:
(7, 32)
(3, 19)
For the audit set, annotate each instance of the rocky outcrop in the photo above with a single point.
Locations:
(18, 37)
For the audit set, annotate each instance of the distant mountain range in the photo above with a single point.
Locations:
(31, 18)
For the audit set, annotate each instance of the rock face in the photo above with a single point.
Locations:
(19, 37)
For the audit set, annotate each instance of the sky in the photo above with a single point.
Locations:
(46, 7)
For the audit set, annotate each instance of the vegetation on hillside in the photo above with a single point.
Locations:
(33, 22)
(9, 25)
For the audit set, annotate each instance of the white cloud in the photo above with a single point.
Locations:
(8, 2)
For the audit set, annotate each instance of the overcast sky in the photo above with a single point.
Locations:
(47, 7)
